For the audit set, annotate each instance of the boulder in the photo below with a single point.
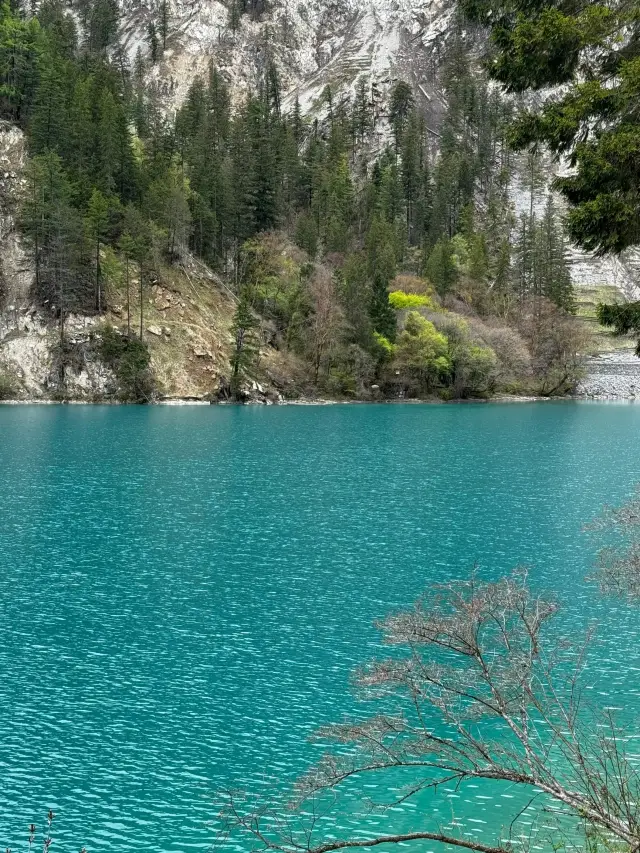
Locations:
(201, 352)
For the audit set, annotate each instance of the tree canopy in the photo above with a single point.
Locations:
(588, 55)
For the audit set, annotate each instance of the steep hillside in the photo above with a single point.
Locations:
(264, 172)
(315, 44)
(335, 43)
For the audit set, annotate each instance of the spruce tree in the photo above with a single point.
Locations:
(234, 16)
(440, 267)
(552, 265)
(49, 126)
(164, 18)
(401, 102)
(246, 345)
(381, 263)
(97, 226)
(152, 38)
(102, 25)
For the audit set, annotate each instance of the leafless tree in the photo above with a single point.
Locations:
(618, 567)
(489, 691)
(558, 343)
(326, 316)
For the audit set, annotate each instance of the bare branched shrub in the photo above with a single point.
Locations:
(47, 839)
(487, 691)
(557, 342)
(618, 566)
(513, 358)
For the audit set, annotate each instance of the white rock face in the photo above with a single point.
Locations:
(313, 43)
(28, 348)
(16, 269)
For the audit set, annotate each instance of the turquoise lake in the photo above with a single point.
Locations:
(184, 591)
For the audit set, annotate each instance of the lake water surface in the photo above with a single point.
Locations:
(184, 591)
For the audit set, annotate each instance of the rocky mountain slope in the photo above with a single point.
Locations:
(323, 43)
(332, 43)
(314, 44)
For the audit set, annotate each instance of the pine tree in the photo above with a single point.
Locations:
(413, 178)
(401, 103)
(52, 229)
(152, 38)
(381, 263)
(440, 268)
(164, 19)
(97, 226)
(126, 244)
(48, 130)
(102, 25)
(502, 288)
(524, 249)
(234, 16)
(552, 266)
(306, 234)
(354, 289)
(339, 205)
(138, 107)
(168, 203)
(362, 112)
(138, 247)
(246, 347)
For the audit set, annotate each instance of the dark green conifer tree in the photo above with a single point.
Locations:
(401, 103)
(154, 46)
(381, 264)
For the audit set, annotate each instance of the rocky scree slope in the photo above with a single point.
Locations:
(187, 315)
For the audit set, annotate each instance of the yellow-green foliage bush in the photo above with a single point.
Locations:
(421, 353)
(402, 301)
(385, 346)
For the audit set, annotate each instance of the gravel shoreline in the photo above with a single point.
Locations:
(611, 376)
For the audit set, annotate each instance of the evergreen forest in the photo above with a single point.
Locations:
(402, 267)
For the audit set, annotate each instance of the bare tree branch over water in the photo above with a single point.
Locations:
(486, 688)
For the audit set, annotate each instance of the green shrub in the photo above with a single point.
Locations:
(475, 370)
(129, 359)
(402, 301)
(340, 383)
(473, 365)
(383, 346)
(421, 354)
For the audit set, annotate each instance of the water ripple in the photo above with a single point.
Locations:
(183, 593)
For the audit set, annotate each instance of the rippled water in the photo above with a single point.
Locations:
(183, 592)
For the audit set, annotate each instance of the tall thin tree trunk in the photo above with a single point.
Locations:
(128, 296)
(61, 371)
(98, 289)
(141, 311)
